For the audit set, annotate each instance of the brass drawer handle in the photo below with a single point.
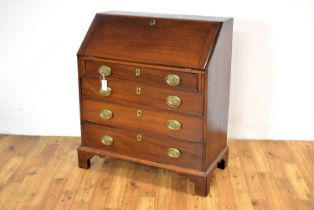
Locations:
(174, 125)
(173, 101)
(173, 152)
(106, 140)
(104, 70)
(137, 72)
(173, 80)
(105, 114)
(105, 92)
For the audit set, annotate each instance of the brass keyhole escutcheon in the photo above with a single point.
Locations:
(173, 101)
(174, 125)
(152, 22)
(173, 152)
(106, 140)
(139, 113)
(105, 92)
(139, 137)
(138, 91)
(137, 72)
(104, 70)
(173, 80)
(105, 114)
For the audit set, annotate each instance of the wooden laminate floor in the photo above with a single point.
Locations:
(42, 173)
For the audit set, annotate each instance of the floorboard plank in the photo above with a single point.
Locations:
(42, 173)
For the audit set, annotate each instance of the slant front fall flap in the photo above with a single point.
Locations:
(153, 40)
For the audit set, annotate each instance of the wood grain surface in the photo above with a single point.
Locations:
(141, 53)
(148, 76)
(150, 147)
(41, 173)
(125, 117)
(124, 92)
(171, 42)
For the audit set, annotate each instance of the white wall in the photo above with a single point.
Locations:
(272, 69)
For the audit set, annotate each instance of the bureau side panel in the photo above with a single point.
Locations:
(217, 85)
(81, 71)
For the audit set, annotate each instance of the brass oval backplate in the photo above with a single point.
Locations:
(105, 114)
(104, 70)
(173, 80)
(173, 152)
(106, 140)
(173, 101)
(174, 125)
(152, 22)
(105, 92)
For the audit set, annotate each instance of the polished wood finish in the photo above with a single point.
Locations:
(124, 92)
(149, 76)
(141, 53)
(170, 42)
(152, 148)
(217, 85)
(125, 116)
(42, 173)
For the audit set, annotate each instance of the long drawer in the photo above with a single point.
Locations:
(131, 92)
(145, 75)
(143, 146)
(167, 123)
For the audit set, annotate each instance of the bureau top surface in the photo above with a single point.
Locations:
(180, 41)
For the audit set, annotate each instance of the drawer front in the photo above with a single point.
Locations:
(147, 147)
(144, 75)
(125, 92)
(184, 126)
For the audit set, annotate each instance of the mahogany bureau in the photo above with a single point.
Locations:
(154, 89)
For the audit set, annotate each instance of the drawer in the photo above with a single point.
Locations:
(145, 75)
(126, 92)
(129, 143)
(152, 120)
